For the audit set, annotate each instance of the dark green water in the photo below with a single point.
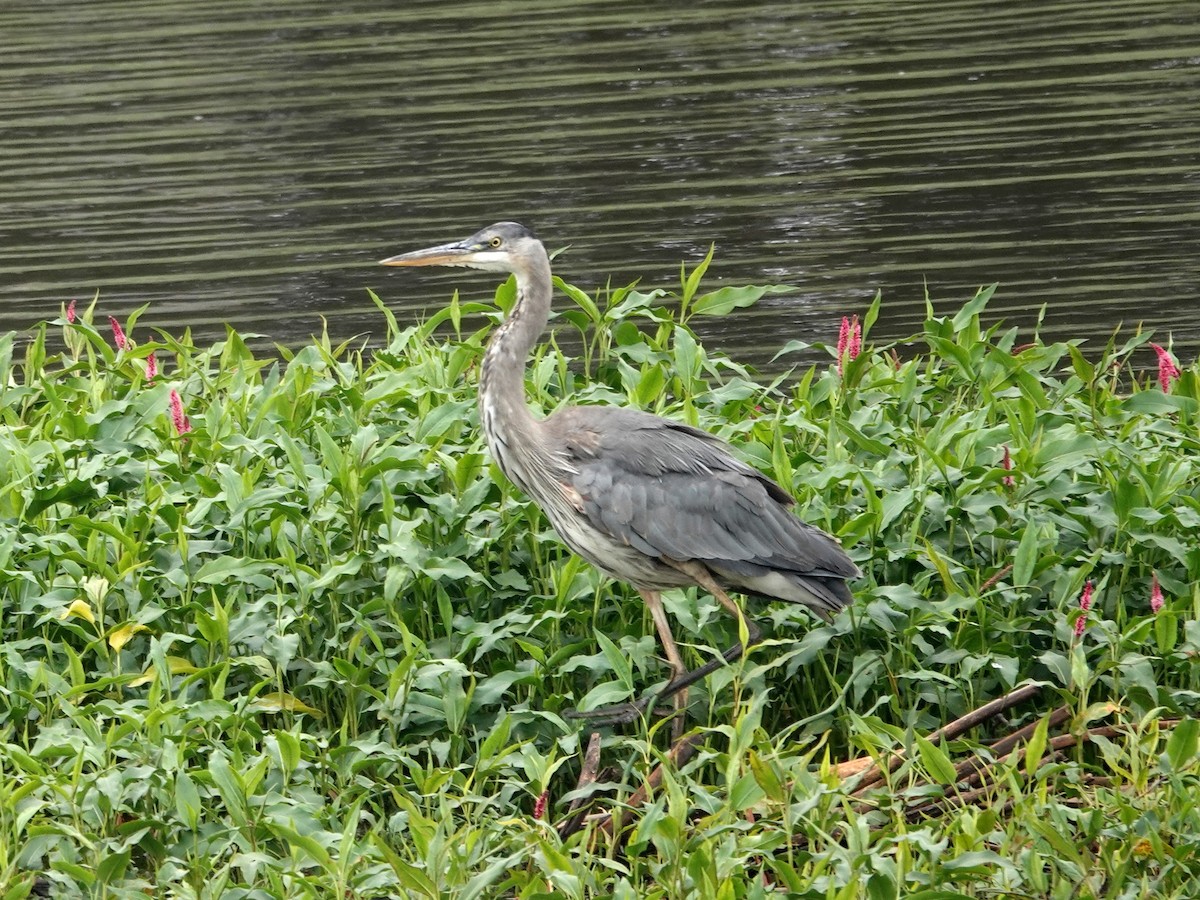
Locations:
(248, 162)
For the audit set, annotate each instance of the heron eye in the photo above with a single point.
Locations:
(495, 242)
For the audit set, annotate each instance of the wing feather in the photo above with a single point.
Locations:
(670, 490)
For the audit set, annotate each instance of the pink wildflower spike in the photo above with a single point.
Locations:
(1167, 370)
(1156, 595)
(1007, 462)
(118, 334)
(182, 424)
(849, 341)
(151, 366)
(843, 342)
(71, 313)
(539, 806)
(1085, 603)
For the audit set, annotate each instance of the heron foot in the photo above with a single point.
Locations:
(614, 714)
(624, 713)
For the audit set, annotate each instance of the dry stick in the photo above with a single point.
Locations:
(1055, 748)
(872, 771)
(1006, 744)
(993, 708)
(1003, 750)
(972, 770)
(587, 775)
(683, 750)
(987, 584)
(950, 731)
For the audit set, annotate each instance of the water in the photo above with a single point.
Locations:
(249, 162)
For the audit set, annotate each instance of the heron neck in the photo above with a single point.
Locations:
(504, 412)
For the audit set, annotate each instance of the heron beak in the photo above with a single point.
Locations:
(456, 254)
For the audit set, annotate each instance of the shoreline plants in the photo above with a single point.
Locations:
(277, 628)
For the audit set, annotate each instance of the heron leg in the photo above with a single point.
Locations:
(624, 713)
(678, 669)
(733, 654)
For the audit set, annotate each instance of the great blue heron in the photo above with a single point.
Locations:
(647, 500)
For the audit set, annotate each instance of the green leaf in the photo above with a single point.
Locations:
(229, 786)
(1036, 747)
(936, 761)
(745, 793)
(496, 739)
(1027, 555)
(310, 845)
(112, 866)
(871, 314)
(1166, 631)
(767, 777)
(1182, 746)
(691, 282)
(1153, 402)
(1085, 370)
(187, 799)
(724, 300)
(618, 661)
(973, 308)
(581, 298)
(1057, 841)
(289, 750)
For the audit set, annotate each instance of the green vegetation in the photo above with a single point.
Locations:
(316, 647)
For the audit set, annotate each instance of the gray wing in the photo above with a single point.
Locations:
(670, 490)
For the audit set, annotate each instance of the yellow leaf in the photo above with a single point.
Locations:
(78, 608)
(124, 635)
(176, 664)
(278, 702)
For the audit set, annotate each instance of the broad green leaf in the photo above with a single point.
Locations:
(1036, 746)
(1182, 746)
(187, 799)
(618, 661)
(1027, 555)
(724, 300)
(936, 761)
(973, 308)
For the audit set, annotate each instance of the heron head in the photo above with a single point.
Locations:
(498, 248)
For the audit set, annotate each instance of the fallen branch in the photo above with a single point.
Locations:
(576, 812)
(875, 773)
(683, 750)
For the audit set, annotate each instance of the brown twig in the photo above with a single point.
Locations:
(680, 752)
(950, 731)
(991, 581)
(1007, 743)
(587, 775)
(1055, 747)
(971, 771)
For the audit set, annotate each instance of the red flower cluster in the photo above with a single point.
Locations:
(1156, 594)
(182, 424)
(1085, 603)
(1167, 370)
(849, 341)
(119, 339)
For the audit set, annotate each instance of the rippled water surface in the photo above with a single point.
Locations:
(249, 162)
